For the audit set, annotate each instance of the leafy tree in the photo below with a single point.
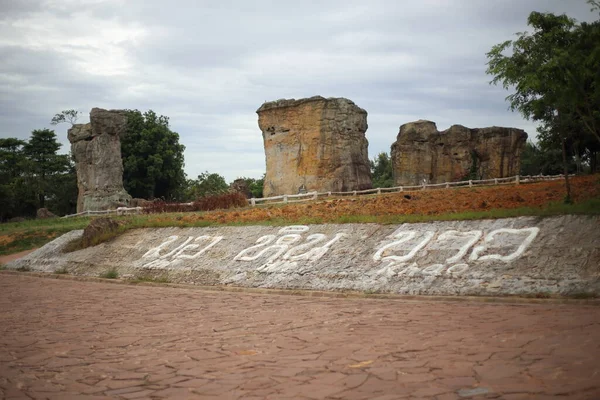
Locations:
(537, 160)
(207, 184)
(152, 157)
(69, 116)
(256, 186)
(33, 175)
(12, 165)
(555, 76)
(62, 194)
(12, 159)
(44, 164)
(381, 171)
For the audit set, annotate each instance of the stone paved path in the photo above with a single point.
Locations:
(62, 339)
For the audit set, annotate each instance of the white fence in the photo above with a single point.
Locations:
(295, 198)
(118, 211)
(310, 196)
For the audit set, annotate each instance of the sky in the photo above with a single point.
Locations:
(209, 65)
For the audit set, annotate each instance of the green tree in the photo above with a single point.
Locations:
(256, 186)
(381, 171)
(69, 116)
(537, 160)
(555, 77)
(44, 165)
(207, 184)
(12, 159)
(152, 157)
(62, 194)
(12, 165)
(33, 175)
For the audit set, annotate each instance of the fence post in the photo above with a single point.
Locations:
(253, 202)
(315, 195)
(354, 193)
(401, 189)
(285, 198)
(470, 183)
(328, 194)
(447, 185)
(495, 181)
(517, 179)
(378, 191)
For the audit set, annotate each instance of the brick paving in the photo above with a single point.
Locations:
(63, 339)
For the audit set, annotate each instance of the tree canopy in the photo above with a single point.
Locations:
(33, 175)
(69, 116)
(554, 74)
(207, 184)
(152, 157)
(381, 171)
(553, 70)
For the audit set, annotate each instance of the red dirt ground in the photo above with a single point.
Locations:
(423, 202)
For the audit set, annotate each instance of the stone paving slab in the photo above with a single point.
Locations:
(62, 339)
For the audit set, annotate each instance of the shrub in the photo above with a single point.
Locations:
(205, 203)
(110, 274)
(220, 201)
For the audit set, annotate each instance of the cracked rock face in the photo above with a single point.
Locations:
(314, 144)
(422, 153)
(96, 147)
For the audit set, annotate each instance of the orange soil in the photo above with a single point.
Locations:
(423, 202)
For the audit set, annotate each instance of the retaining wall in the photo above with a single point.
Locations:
(515, 256)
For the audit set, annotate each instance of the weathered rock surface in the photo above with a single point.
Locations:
(44, 213)
(241, 186)
(422, 153)
(96, 147)
(314, 144)
(97, 228)
(513, 256)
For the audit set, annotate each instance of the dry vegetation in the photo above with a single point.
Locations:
(418, 203)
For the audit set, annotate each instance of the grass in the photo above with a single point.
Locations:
(158, 279)
(15, 237)
(79, 244)
(582, 295)
(110, 274)
(589, 207)
(26, 235)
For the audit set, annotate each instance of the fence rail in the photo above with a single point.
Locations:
(117, 211)
(310, 196)
(293, 198)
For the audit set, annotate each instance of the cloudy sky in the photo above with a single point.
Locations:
(208, 65)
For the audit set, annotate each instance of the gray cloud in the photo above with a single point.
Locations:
(210, 65)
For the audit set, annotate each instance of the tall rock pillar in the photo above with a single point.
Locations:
(96, 147)
(314, 144)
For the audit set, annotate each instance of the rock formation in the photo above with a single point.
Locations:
(314, 144)
(96, 147)
(422, 153)
(44, 213)
(240, 185)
